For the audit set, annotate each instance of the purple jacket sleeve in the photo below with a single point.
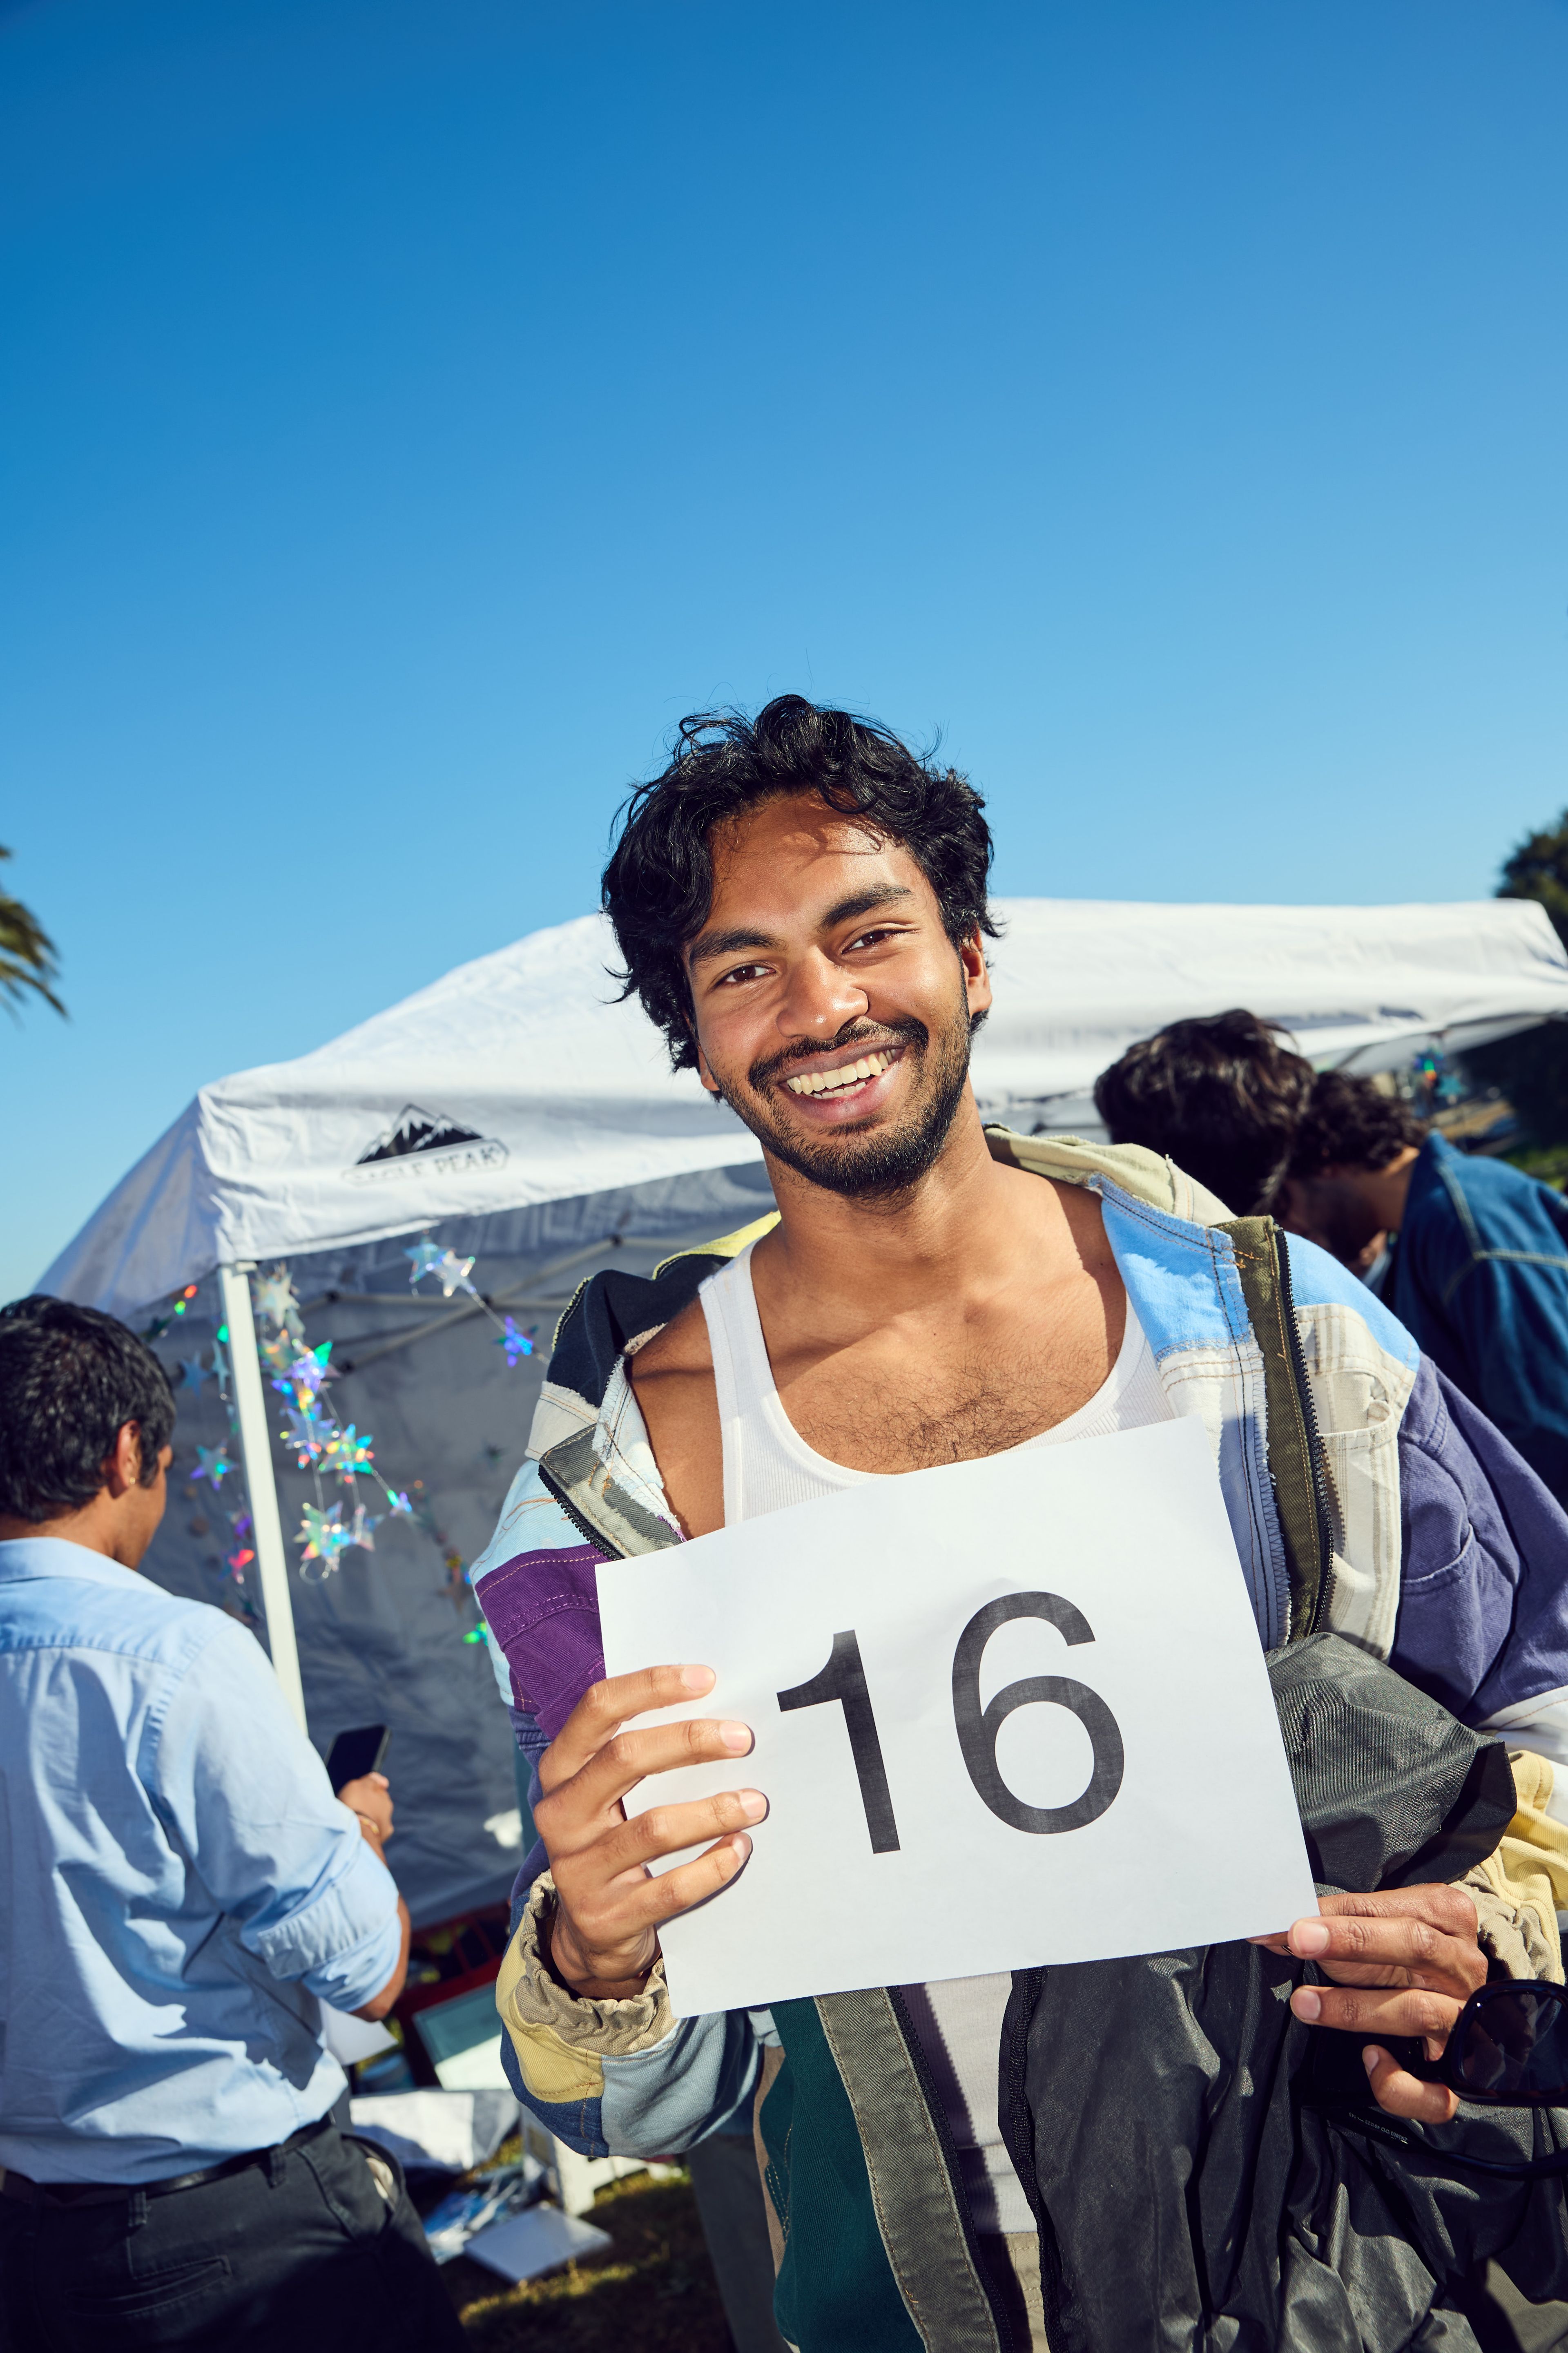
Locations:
(1483, 1611)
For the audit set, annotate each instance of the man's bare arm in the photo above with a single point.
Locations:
(376, 2008)
(369, 1801)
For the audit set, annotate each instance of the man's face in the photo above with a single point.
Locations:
(833, 1012)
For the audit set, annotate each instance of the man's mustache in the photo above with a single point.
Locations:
(858, 1032)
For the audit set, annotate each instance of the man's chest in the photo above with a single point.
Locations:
(950, 1399)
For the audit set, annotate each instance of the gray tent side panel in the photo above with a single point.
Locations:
(381, 1640)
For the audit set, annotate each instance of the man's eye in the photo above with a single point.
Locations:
(741, 972)
(870, 939)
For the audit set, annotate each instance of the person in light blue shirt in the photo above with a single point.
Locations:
(181, 1892)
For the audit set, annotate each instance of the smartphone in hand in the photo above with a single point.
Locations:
(353, 1753)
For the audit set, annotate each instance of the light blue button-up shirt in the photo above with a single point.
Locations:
(178, 1884)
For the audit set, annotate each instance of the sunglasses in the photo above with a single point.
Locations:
(1509, 2048)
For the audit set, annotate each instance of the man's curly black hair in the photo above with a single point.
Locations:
(70, 1378)
(659, 884)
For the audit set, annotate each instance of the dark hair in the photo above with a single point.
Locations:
(70, 1378)
(1351, 1120)
(659, 884)
(1222, 1096)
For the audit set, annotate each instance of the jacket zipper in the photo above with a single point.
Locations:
(938, 2114)
(595, 1536)
(1320, 1494)
(1013, 2072)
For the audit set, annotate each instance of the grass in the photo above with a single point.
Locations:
(652, 2292)
(1549, 1162)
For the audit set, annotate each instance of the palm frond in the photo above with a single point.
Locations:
(28, 959)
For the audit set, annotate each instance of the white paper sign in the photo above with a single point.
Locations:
(1006, 1712)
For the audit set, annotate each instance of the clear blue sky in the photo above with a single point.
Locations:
(408, 411)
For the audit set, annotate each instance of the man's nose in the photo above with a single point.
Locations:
(820, 999)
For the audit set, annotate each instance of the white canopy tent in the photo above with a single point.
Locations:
(529, 1119)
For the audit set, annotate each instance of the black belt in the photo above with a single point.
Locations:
(103, 2193)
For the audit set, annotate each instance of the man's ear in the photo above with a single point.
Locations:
(976, 974)
(703, 1072)
(1288, 1206)
(122, 1466)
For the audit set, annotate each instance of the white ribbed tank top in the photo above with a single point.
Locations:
(768, 1464)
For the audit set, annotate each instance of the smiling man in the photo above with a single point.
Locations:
(801, 905)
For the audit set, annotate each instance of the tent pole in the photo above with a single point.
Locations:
(261, 1486)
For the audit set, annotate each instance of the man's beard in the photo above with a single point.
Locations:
(885, 1160)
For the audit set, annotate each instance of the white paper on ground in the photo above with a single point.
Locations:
(478, 2069)
(534, 2241)
(1201, 1842)
(451, 2130)
(351, 2039)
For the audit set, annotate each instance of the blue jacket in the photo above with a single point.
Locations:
(1481, 1281)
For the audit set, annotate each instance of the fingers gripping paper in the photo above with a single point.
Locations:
(1006, 1712)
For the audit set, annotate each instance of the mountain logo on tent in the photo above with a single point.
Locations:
(418, 1141)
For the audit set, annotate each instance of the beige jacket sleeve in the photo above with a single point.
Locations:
(1519, 1890)
(562, 2039)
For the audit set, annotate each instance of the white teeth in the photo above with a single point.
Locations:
(840, 1081)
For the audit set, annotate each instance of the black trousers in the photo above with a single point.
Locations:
(730, 2194)
(299, 2252)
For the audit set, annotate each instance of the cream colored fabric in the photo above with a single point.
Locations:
(1520, 1889)
(773, 2059)
(1147, 1176)
(1023, 2255)
(562, 2039)
(1360, 1391)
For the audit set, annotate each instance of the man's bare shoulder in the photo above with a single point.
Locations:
(681, 1346)
(1050, 1210)
(672, 1378)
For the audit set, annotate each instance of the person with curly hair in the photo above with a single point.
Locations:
(800, 904)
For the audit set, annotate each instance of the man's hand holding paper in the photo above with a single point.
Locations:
(606, 1937)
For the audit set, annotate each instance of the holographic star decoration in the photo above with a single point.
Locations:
(421, 1258)
(279, 1352)
(304, 1436)
(398, 1507)
(193, 1373)
(450, 1271)
(212, 1464)
(347, 1451)
(515, 1344)
(308, 1371)
(323, 1535)
(363, 1528)
(275, 1297)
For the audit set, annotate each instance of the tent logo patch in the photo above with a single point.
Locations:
(419, 1142)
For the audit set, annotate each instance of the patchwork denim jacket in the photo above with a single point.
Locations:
(1443, 1555)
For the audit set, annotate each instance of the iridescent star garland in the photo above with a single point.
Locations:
(320, 1442)
(452, 1273)
(314, 1435)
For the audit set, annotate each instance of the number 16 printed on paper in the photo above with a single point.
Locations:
(1006, 1712)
